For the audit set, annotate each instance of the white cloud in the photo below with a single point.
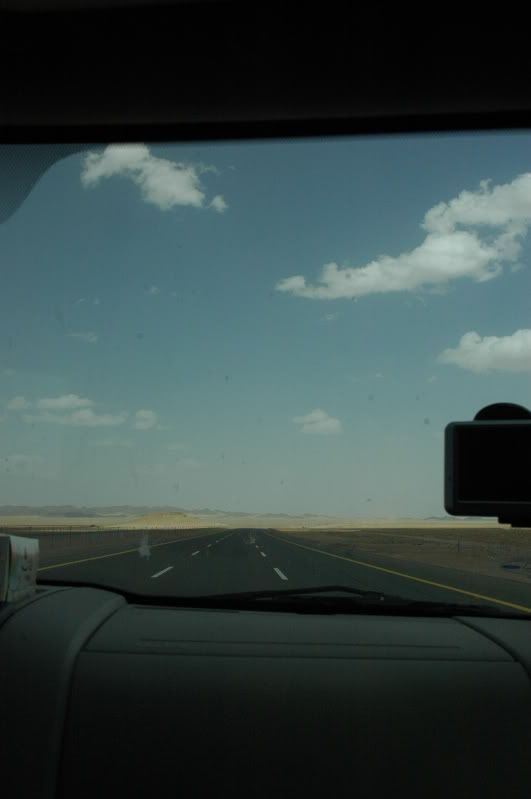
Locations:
(431, 379)
(163, 183)
(87, 418)
(18, 404)
(153, 290)
(66, 402)
(318, 421)
(89, 337)
(329, 317)
(84, 417)
(96, 301)
(68, 409)
(145, 420)
(505, 353)
(219, 204)
(379, 375)
(472, 236)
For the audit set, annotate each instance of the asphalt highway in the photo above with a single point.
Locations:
(230, 561)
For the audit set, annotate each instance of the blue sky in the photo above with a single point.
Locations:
(168, 336)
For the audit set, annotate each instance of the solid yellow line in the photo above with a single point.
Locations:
(122, 552)
(411, 577)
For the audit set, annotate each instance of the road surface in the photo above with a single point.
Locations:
(225, 561)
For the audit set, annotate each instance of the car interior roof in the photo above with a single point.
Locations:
(233, 69)
(425, 706)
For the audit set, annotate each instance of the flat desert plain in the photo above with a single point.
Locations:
(472, 545)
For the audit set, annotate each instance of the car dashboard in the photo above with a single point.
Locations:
(102, 697)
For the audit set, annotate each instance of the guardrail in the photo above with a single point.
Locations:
(42, 528)
(71, 531)
(73, 540)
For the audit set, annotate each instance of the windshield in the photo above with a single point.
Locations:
(227, 367)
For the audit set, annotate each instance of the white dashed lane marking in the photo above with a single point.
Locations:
(280, 574)
(161, 572)
(195, 553)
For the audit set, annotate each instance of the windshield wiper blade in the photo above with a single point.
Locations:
(310, 599)
(234, 597)
(293, 593)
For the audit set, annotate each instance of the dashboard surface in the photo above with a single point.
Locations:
(103, 698)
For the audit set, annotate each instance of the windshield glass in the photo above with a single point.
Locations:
(228, 367)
